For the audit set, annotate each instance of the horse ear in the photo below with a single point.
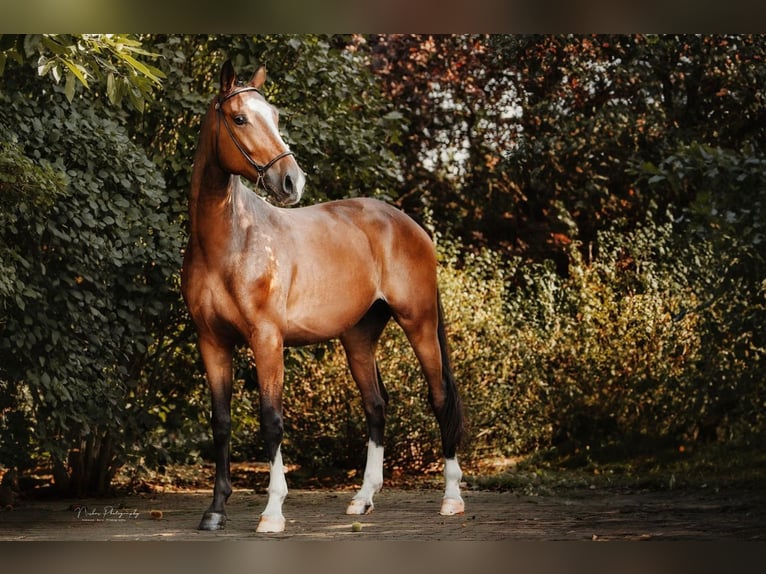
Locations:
(228, 77)
(258, 78)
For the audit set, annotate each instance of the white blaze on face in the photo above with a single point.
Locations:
(263, 110)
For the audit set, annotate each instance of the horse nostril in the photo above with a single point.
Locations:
(292, 186)
(287, 184)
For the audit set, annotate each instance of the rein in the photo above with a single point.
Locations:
(261, 169)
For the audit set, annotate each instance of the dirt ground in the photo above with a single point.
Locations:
(403, 515)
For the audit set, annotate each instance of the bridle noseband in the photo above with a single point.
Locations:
(261, 169)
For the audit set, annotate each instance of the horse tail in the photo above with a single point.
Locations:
(452, 417)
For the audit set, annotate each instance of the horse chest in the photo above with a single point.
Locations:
(235, 296)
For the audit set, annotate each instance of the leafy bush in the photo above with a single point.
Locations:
(93, 249)
(724, 265)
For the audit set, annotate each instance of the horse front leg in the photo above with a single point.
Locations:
(269, 364)
(272, 519)
(217, 361)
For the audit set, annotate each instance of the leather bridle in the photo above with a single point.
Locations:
(261, 169)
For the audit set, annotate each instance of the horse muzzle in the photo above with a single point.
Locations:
(289, 188)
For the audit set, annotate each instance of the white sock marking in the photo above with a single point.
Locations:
(277, 487)
(372, 483)
(452, 477)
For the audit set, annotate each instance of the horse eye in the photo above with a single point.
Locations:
(240, 120)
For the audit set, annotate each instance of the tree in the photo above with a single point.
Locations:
(92, 251)
(513, 139)
(457, 101)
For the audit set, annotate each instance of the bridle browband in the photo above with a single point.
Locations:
(261, 169)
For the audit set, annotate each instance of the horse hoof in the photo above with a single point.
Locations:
(213, 521)
(271, 524)
(451, 506)
(359, 507)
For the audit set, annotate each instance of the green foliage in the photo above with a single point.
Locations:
(345, 127)
(113, 61)
(504, 129)
(728, 189)
(619, 356)
(724, 228)
(24, 187)
(611, 365)
(93, 259)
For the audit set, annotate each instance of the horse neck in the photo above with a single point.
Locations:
(211, 186)
(220, 206)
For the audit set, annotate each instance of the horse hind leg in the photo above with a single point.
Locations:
(426, 334)
(453, 426)
(362, 502)
(360, 343)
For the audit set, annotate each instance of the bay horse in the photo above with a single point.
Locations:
(270, 277)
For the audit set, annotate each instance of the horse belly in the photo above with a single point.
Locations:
(324, 309)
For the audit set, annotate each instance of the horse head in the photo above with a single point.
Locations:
(250, 144)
